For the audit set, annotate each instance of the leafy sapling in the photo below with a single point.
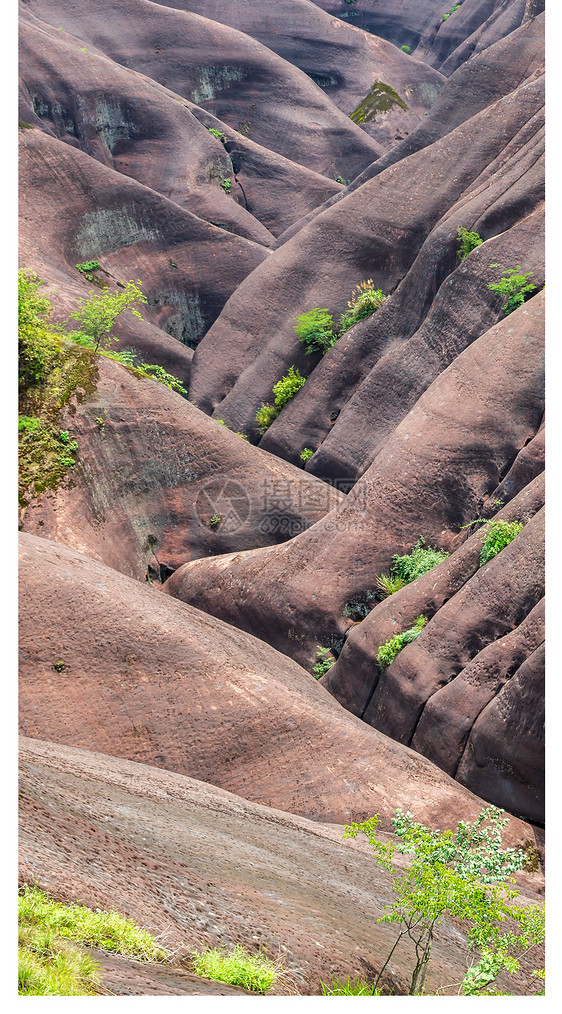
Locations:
(514, 285)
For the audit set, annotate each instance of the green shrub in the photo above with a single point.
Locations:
(226, 185)
(498, 536)
(513, 285)
(405, 49)
(315, 330)
(284, 390)
(325, 661)
(417, 562)
(255, 972)
(391, 648)
(39, 348)
(349, 988)
(365, 299)
(463, 874)
(287, 387)
(215, 520)
(216, 133)
(306, 454)
(468, 242)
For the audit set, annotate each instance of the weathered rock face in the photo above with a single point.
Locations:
(227, 72)
(443, 38)
(431, 476)
(142, 130)
(400, 229)
(247, 162)
(204, 867)
(151, 679)
(157, 481)
(345, 63)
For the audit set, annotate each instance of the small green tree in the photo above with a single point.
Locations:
(315, 330)
(468, 242)
(514, 285)
(96, 315)
(462, 874)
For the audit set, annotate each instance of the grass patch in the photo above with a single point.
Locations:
(236, 967)
(391, 648)
(360, 987)
(48, 964)
(405, 569)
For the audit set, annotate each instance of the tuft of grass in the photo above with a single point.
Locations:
(325, 662)
(360, 987)
(365, 299)
(389, 584)
(236, 967)
(499, 534)
(49, 964)
(391, 648)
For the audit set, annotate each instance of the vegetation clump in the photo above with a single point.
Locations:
(325, 662)
(380, 99)
(391, 648)
(306, 454)
(350, 988)
(499, 534)
(462, 874)
(284, 390)
(407, 568)
(87, 267)
(47, 962)
(468, 242)
(226, 185)
(216, 133)
(514, 285)
(237, 967)
(365, 299)
(315, 329)
(405, 49)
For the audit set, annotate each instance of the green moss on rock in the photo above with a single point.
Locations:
(379, 100)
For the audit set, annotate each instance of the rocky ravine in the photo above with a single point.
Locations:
(248, 162)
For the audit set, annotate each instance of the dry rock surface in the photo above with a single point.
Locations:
(247, 162)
